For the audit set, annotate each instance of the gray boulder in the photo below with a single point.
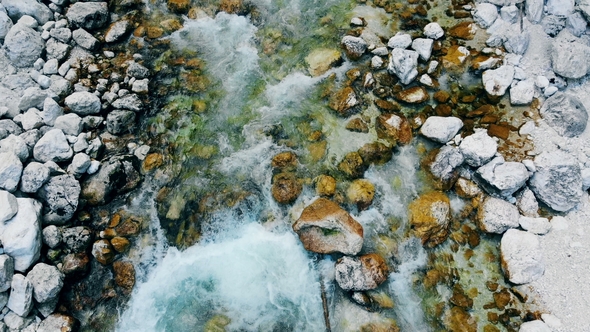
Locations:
(60, 195)
(21, 295)
(403, 64)
(63, 35)
(116, 175)
(21, 235)
(60, 86)
(10, 171)
(441, 129)
(16, 145)
(6, 272)
(85, 39)
(485, 14)
(534, 10)
(445, 164)
(70, 124)
(355, 47)
(23, 45)
(521, 258)
(32, 97)
(495, 215)
(88, 15)
(77, 239)
(576, 24)
(15, 322)
(552, 24)
(53, 146)
(5, 24)
(478, 148)
(361, 273)
(34, 176)
(130, 102)
(569, 56)
(17, 8)
(51, 111)
(56, 49)
(83, 103)
(119, 122)
(80, 164)
(501, 178)
(52, 236)
(31, 119)
(557, 181)
(527, 203)
(117, 31)
(47, 281)
(8, 207)
(560, 7)
(566, 114)
(136, 70)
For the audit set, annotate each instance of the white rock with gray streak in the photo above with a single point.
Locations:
(569, 56)
(6, 272)
(8, 206)
(485, 14)
(521, 258)
(502, 178)
(83, 103)
(566, 114)
(403, 64)
(21, 295)
(21, 235)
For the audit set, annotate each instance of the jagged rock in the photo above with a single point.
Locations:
(403, 63)
(23, 45)
(354, 47)
(10, 171)
(557, 181)
(137, 70)
(502, 178)
(57, 322)
(444, 165)
(429, 217)
(423, 46)
(129, 102)
(124, 274)
(522, 93)
(21, 235)
(466, 189)
(18, 8)
(576, 24)
(495, 215)
(478, 148)
(560, 7)
(433, 31)
(566, 114)
(394, 128)
(8, 206)
(361, 273)
(21, 295)
(88, 15)
(116, 175)
(552, 24)
(80, 164)
(538, 226)
(352, 165)
(485, 14)
(375, 153)
(5, 24)
(441, 129)
(496, 81)
(53, 146)
(16, 145)
(6, 272)
(32, 97)
(119, 121)
(60, 195)
(324, 227)
(117, 31)
(85, 39)
(77, 239)
(401, 40)
(47, 282)
(569, 56)
(521, 258)
(83, 103)
(34, 176)
(321, 60)
(51, 111)
(70, 124)
(56, 50)
(52, 236)
(527, 203)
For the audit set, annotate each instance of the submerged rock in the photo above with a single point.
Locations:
(116, 175)
(413, 95)
(344, 101)
(361, 193)
(285, 188)
(521, 257)
(354, 47)
(444, 165)
(495, 215)
(361, 273)
(324, 227)
(557, 181)
(394, 128)
(566, 114)
(429, 216)
(321, 60)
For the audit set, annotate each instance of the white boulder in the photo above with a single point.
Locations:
(478, 148)
(521, 258)
(433, 30)
(485, 14)
(83, 103)
(8, 206)
(10, 171)
(496, 81)
(539, 226)
(441, 129)
(21, 295)
(566, 114)
(34, 176)
(53, 146)
(522, 93)
(47, 281)
(23, 45)
(423, 46)
(21, 235)
(400, 40)
(501, 178)
(495, 215)
(403, 63)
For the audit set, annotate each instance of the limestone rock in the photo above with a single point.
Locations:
(18, 8)
(403, 64)
(560, 7)
(85, 39)
(361, 193)
(534, 10)
(441, 129)
(496, 81)
(21, 295)
(52, 236)
(485, 14)
(103, 251)
(88, 15)
(433, 30)
(5, 24)
(538, 226)
(527, 203)
(445, 163)
(429, 216)
(557, 181)
(23, 45)
(71, 124)
(466, 188)
(495, 215)
(60, 195)
(117, 31)
(521, 258)
(401, 40)
(116, 175)
(502, 178)
(522, 93)
(566, 114)
(361, 273)
(6, 272)
(10, 171)
(413, 95)
(53, 146)
(478, 148)
(423, 46)
(129, 102)
(569, 56)
(47, 281)
(354, 47)
(8, 206)
(21, 235)
(34, 176)
(83, 103)
(324, 227)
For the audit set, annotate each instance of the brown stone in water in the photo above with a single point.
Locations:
(480, 111)
(130, 227)
(460, 299)
(468, 99)
(463, 30)
(443, 110)
(492, 286)
(361, 273)
(103, 251)
(139, 32)
(502, 298)
(152, 161)
(231, 6)
(324, 227)
(171, 25)
(458, 14)
(394, 128)
(285, 188)
(499, 131)
(352, 165)
(387, 106)
(325, 185)
(429, 216)
(154, 32)
(466, 188)
(286, 159)
(317, 150)
(74, 264)
(344, 101)
(375, 153)
(361, 192)
(442, 96)
(124, 274)
(459, 320)
(455, 57)
(357, 125)
(179, 6)
(490, 328)
(390, 326)
(120, 244)
(492, 317)
(413, 95)
(489, 118)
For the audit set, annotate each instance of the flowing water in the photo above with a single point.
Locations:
(246, 270)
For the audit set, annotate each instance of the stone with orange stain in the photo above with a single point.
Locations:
(179, 6)
(120, 243)
(394, 128)
(361, 273)
(413, 95)
(464, 30)
(459, 320)
(455, 57)
(344, 101)
(154, 32)
(430, 215)
(325, 185)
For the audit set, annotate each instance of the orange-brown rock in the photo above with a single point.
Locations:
(352, 165)
(179, 6)
(442, 96)
(129, 227)
(413, 95)
(375, 153)
(387, 106)
(466, 188)
(394, 128)
(390, 326)
(499, 131)
(357, 125)
(171, 25)
(124, 274)
(459, 320)
(231, 6)
(103, 251)
(481, 111)
(464, 30)
(361, 192)
(443, 110)
(284, 160)
(285, 188)
(75, 264)
(361, 273)
(58, 322)
(344, 101)
(154, 32)
(429, 216)
(321, 60)
(324, 227)
(325, 185)
(455, 57)
(152, 161)
(120, 243)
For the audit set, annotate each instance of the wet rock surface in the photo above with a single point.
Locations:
(429, 216)
(361, 273)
